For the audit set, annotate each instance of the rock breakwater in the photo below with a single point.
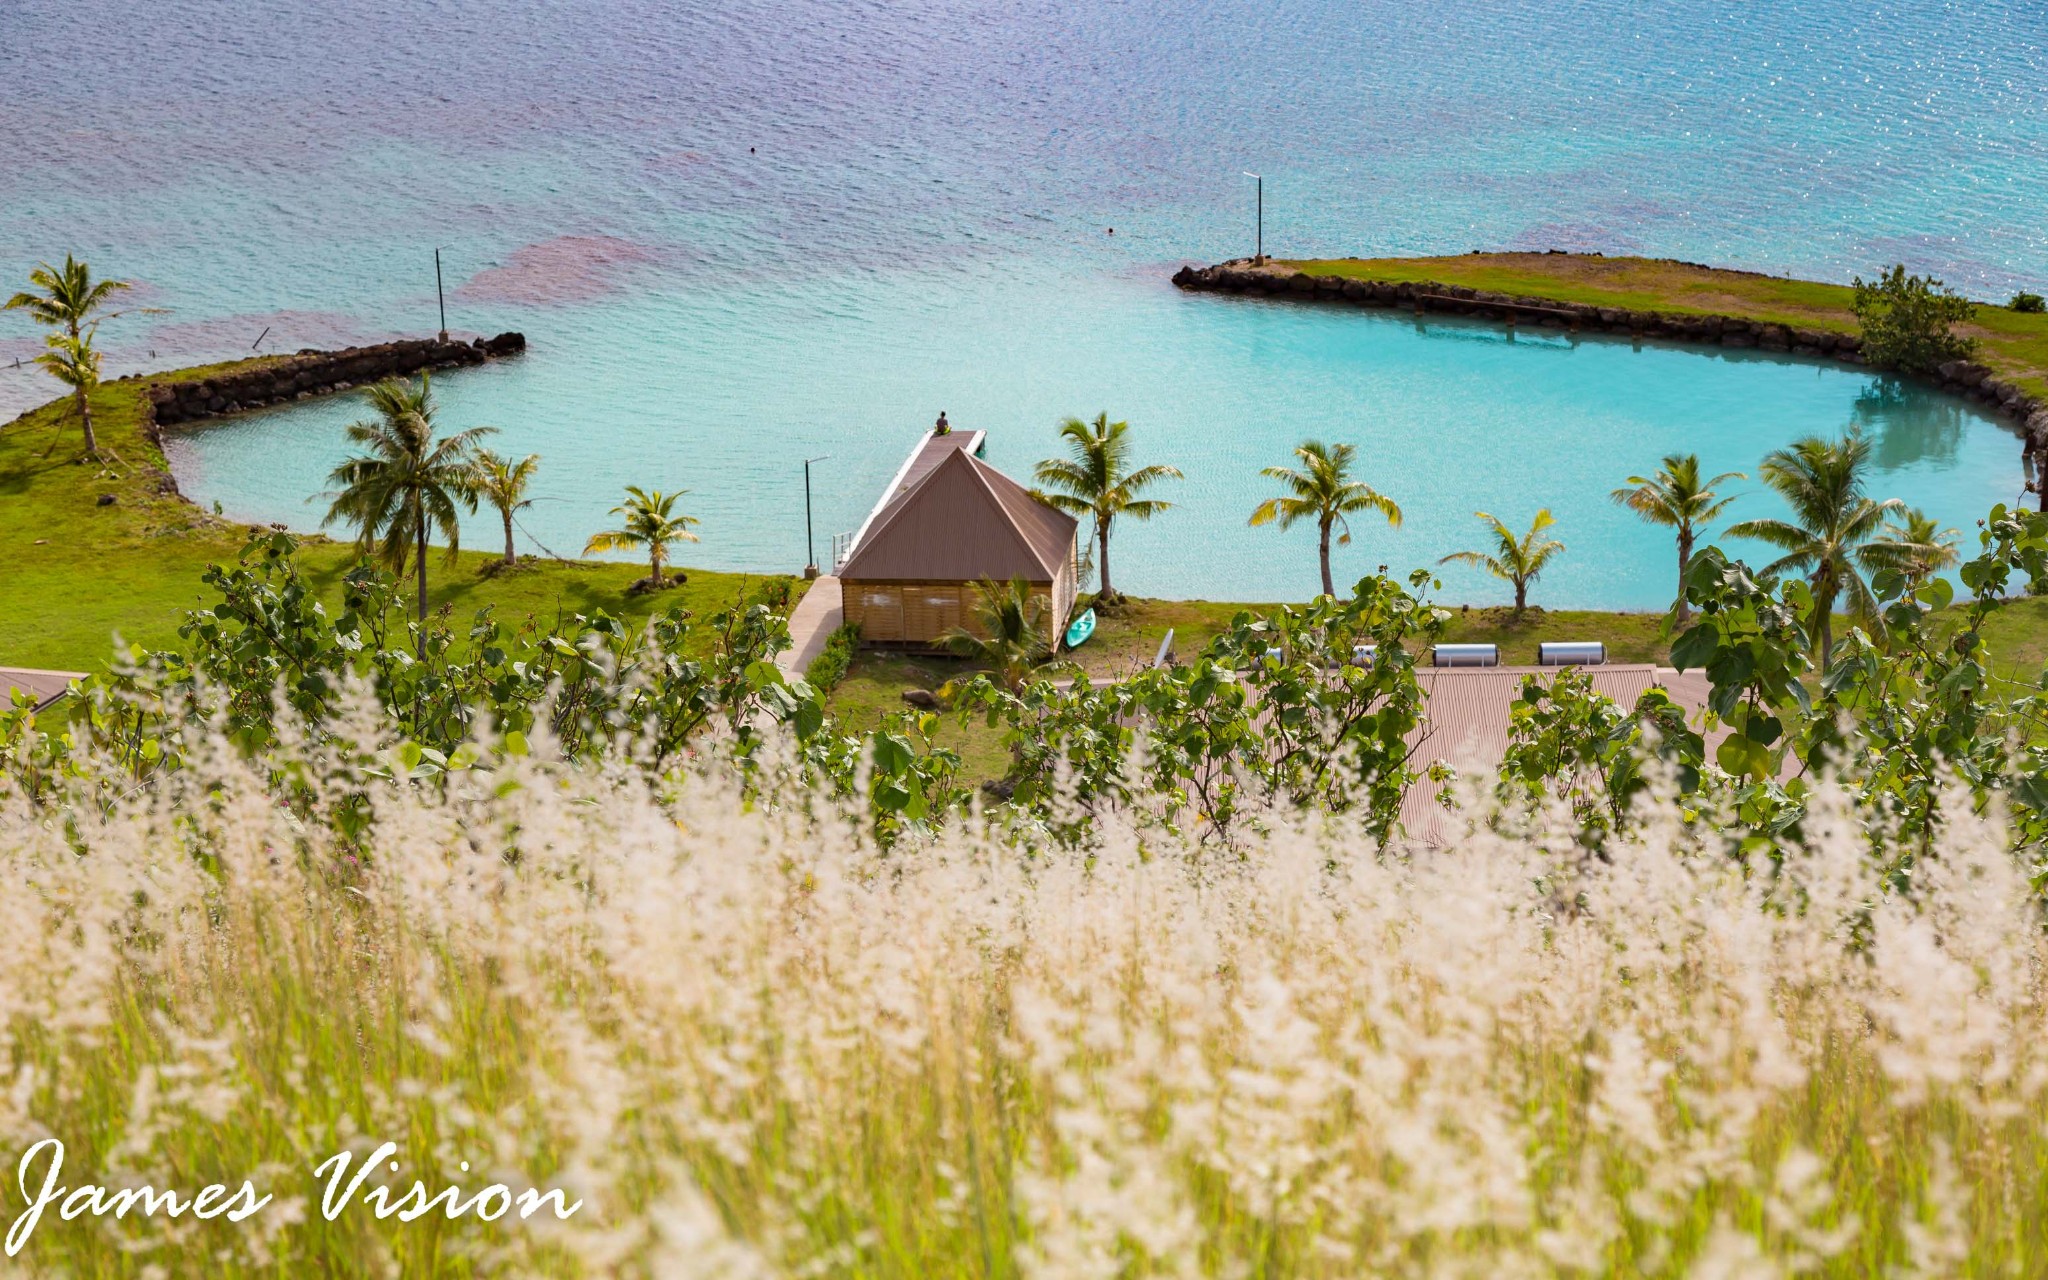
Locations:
(312, 373)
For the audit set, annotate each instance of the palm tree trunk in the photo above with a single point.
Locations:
(1521, 595)
(420, 551)
(1823, 622)
(1323, 549)
(92, 448)
(1108, 592)
(654, 557)
(1684, 559)
(511, 555)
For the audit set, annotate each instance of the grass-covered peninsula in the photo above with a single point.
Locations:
(2013, 344)
(83, 571)
(105, 548)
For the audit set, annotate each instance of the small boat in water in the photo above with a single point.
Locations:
(1080, 629)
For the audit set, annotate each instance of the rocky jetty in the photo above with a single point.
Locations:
(1270, 280)
(311, 373)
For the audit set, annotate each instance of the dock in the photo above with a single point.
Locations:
(929, 451)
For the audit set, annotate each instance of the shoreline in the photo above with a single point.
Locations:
(133, 566)
(1756, 312)
(106, 557)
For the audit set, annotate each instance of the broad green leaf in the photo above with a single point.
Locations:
(1696, 646)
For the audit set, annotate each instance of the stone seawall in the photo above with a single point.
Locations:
(1964, 378)
(311, 373)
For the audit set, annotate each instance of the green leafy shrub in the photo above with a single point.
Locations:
(1277, 712)
(2031, 303)
(594, 688)
(1906, 322)
(830, 666)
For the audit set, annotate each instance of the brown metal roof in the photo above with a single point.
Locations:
(1466, 723)
(42, 687)
(961, 520)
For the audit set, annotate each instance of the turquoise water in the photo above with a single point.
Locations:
(922, 222)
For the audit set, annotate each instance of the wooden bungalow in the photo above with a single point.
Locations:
(948, 522)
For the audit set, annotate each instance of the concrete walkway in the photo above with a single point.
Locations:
(817, 616)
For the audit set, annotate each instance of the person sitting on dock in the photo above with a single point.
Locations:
(942, 427)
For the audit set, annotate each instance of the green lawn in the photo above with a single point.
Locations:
(2017, 639)
(1129, 637)
(874, 686)
(77, 573)
(2015, 345)
(2017, 635)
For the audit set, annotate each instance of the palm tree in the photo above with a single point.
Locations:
(1836, 534)
(1010, 639)
(1933, 547)
(1515, 560)
(1325, 493)
(651, 522)
(68, 295)
(502, 483)
(409, 483)
(1677, 498)
(1093, 481)
(75, 363)
(65, 299)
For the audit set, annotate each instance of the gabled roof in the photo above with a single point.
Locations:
(930, 451)
(961, 521)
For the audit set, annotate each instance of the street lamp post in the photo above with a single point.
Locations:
(439, 295)
(1259, 255)
(810, 545)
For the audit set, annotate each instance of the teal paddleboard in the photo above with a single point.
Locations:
(1081, 628)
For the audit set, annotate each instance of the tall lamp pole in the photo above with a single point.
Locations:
(439, 295)
(1259, 256)
(810, 546)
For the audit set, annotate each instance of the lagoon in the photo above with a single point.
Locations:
(1450, 416)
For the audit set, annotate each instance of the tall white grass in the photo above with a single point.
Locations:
(756, 1046)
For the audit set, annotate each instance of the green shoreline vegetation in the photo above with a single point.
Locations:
(82, 573)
